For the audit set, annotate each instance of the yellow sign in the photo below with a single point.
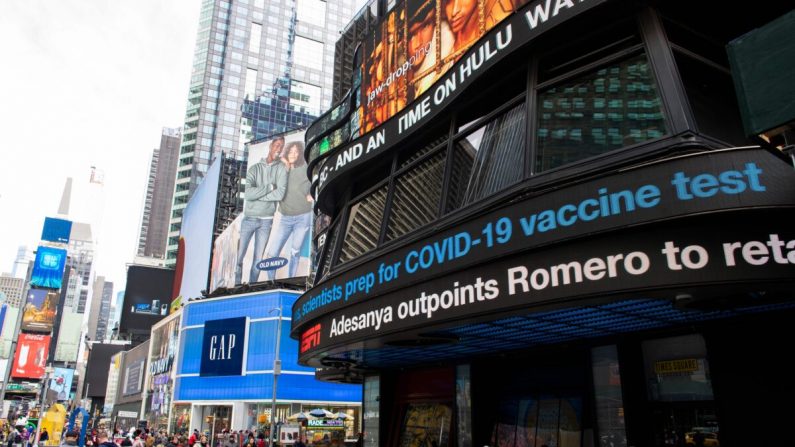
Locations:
(676, 366)
(175, 305)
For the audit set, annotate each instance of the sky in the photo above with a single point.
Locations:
(87, 83)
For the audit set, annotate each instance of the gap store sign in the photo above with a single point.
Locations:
(224, 347)
(227, 348)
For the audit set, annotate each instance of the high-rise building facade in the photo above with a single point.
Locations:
(276, 58)
(24, 257)
(100, 309)
(159, 188)
(81, 262)
(12, 289)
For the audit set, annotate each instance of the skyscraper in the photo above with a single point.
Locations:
(159, 188)
(100, 309)
(11, 289)
(24, 257)
(275, 59)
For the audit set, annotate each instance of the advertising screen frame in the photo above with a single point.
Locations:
(147, 287)
(196, 234)
(61, 391)
(48, 267)
(230, 268)
(31, 356)
(56, 230)
(41, 310)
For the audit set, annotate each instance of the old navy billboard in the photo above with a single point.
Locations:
(562, 245)
(271, 238)
(424, 55)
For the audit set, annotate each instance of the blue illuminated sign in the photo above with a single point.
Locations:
(48, 267)
(224, 347)
(56, 230)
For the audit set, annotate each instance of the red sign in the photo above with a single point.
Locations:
(310, 338)
(31, 356)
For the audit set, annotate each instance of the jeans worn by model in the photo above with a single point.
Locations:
(261, 230)
(297, 227)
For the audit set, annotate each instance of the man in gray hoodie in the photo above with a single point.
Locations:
(266, 183)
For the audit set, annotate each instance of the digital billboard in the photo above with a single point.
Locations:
(56, 230)
(271, 239)
(31, 356)
(146, 298)
(196, 234)
(48, 267)
(40, 310)
(416, 44)
(61, 384)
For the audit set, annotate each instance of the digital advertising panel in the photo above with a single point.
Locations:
(224, 347)
(271, 239)
(133, 377)
(196, 234)
(56, 230)
(31, 356)
(146, 298)
(61, 384)
(48, 267)
(416, 45)
(40, 310)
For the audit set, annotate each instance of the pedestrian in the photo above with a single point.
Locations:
(103, 441)
(44, 436)
(70, 438)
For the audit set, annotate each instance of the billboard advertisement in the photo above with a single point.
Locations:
(133, 377)
(147, 297)
(271, 239)
(31, 356)
(56, 230)
(40, 309)
(61, 384)
(48, 267)
(196, 234)
(416, 45)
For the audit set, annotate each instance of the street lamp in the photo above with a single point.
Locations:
(277, 369)
(48, 371)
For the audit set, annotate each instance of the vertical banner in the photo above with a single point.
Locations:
(48, 267)
(40, 310)
(31, 356)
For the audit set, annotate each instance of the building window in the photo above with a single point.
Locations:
(251, 83)
(364, 225)
(308, 52)
(416, 196)
(254, 38)
(606, 109)
(312, 12)
(305, 96)
(488, 159)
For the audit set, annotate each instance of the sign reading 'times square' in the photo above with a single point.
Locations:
(224, 347)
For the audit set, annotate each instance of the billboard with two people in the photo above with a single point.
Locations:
(270, 239)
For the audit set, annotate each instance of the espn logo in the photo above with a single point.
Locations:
(310, 338)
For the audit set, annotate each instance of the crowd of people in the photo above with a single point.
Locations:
(22, 437)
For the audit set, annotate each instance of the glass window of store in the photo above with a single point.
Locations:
(608, 397)
(679, 388)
